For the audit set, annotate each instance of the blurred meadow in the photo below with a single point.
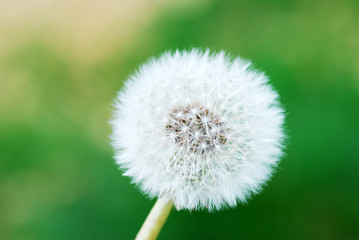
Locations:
(62, 62)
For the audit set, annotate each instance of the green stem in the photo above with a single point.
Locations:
(155, 219)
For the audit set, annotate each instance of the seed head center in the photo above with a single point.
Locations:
(196, 128)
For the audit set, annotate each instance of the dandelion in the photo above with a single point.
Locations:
(198, 131)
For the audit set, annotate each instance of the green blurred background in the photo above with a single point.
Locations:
(62, 62)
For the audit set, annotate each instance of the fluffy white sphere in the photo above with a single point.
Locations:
(198, 128)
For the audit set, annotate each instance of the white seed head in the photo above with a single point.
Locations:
(212, 131)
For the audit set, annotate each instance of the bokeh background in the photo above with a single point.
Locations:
(62, 62)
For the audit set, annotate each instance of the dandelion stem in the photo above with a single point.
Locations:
(155, 219)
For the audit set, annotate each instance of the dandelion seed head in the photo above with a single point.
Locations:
(199, 128)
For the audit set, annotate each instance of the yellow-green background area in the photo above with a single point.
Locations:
(62, 62)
